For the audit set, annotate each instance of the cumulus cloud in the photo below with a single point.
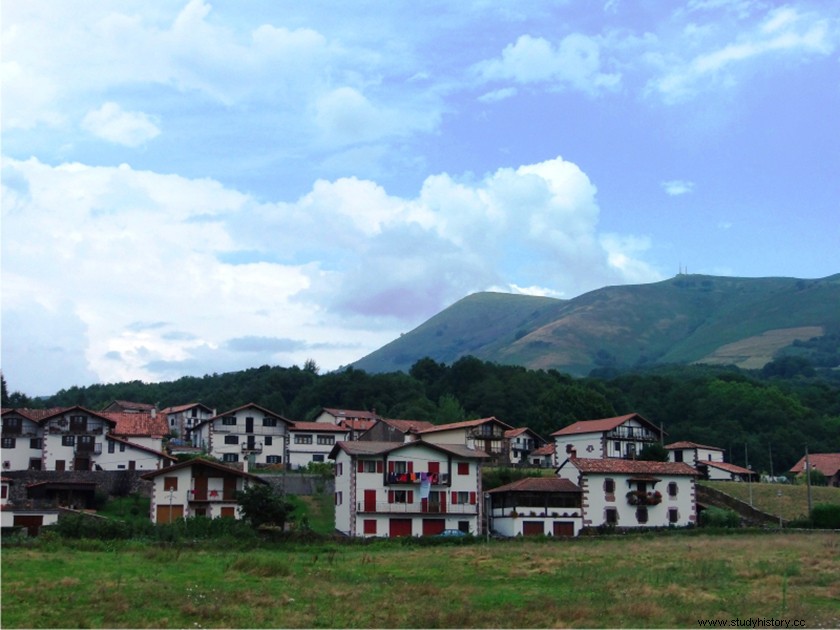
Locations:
(677, 187)
(140, 260)
(574, 63)
(111, 123)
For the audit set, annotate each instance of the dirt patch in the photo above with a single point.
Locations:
(753, 353)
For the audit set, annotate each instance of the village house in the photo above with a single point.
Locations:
(17, 516)
(121, 454)
(485, 434)
(197, 487)
(536, 506)
(23, 438)
(522, 442)
(633, 493)
(416, 488)
(73, 438)
(388, 430)
(357, 422)
(127, 406)
(141, 428)
(619, 437)
(249, 434)
(827, 463)
(182, 419)
(708, 461)
(543, 457)
(312, 442)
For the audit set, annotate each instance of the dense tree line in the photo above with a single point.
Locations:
(763, 418)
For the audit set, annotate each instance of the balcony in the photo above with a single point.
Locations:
(211, 495)
(436, 479)
(252, 448)
(416, 508)
(87, 449)
(639, 497)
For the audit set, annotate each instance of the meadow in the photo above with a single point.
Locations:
(649, 580)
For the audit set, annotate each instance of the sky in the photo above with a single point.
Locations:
(203, 186)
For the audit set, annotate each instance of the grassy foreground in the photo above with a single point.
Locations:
(644, 581)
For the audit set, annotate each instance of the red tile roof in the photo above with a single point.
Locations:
(732, 468)
(632, 467)
(36, 415)
(350, 414)
(548, 449)
(355, 425)
(685, 444)
(137, 424)
(363, 447)
(405, 426)
(127, 404)
(198, 462)
(827, 463)
(538, 484)
(598, 426)
(180, 408)
(467, 424)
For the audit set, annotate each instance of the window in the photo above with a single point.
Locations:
(326, 439)
(68, 440)
(34, 464)
(122, 447)
(398, 467)
(59, 464)
(673, 515)
(4, 492)
(609, 486)
(170, 483)
(369, 525)
(318, 457)
(338, 498)
(434, 467)
(400, 496)
(303, 439)
(367, 466)
(111, 446)
(463, 468)
(268, 440)
(618, 447)
(230, 457)
(611, 516)
(678, 456)
(339, 469)
(269, 422)
(231, 439)
(460, 497)
(194, 412)
(12, 425)
(642, 514)
(229, 421)
(8, 442)
(274, 459)
(78, 424)
(672, 489)
(86, 443)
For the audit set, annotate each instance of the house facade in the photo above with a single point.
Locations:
(633, 493)
(121, 454)
(312, 442)
(485, 434)
(143, 429)
(196, 488)
(73, 438)
(417, 488)
(522, 443)
(536, 506)
(618, 437)
(23, 439)
(182, 419)
(250, 435)
(827, 463)
(708, 461)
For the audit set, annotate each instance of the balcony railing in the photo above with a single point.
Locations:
(436, 479)
(211, 495)
(416, 508)
(88, 449)
(253, 448)
(638, 497)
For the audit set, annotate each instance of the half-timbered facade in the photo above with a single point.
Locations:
(619, 437)
(249, 434)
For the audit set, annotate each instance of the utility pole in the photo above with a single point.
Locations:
(808, 477)
(749, 476)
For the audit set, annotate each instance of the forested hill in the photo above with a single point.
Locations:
(745, 322)
(775, 412)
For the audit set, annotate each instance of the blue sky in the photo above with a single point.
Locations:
(205, 186)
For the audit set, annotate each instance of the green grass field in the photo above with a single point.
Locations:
(789, 500)
(636, 581)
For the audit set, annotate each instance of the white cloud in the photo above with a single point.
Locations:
(111, 123)
(574, 63)
(677, 187)
(498, 95)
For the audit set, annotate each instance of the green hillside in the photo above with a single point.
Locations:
(686, 319)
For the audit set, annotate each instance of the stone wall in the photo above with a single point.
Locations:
(110, 482)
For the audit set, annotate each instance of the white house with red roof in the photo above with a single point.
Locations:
(708, 461)
(543, 457)
(417, 488)
(73, 438)
(522, 443)
(827, 463)
(23, 439)
(485, 434)
(633, 493)
(354, 420)
(250, 434)
(618, 437)
(12, 515)
(312, 442)
(197, 487)
(392, 430)
(147, 429)
(122, 454)
(536, 506)
(181, 419)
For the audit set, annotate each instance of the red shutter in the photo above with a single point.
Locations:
(434, 467)
(390, 467)
(472, 498)
(361, 467)
(379, 466)
(410, 467)
(454, 498)
(390, 496)
(411, 496)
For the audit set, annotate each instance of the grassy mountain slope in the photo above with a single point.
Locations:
(686, 319)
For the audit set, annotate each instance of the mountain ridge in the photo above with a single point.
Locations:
(684, 319)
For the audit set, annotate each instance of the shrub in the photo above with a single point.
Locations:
(826, 516)
(719, 517)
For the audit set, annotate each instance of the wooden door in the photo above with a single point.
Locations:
(228, 512)
(370, 500)
(249, 425)
(533, 528)
(399, 527)
(200, 488)
(168, 513)
(31, 522)
(433, 526)
(564, 528)
(229, 489)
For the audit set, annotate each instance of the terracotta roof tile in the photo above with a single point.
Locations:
(137, 424)
(685, 444)
(632, 467)
(538, 484)
(728, 467)
(595, 426)
(827, 463)
(408, 425)
(465, 425)
(548, 449)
